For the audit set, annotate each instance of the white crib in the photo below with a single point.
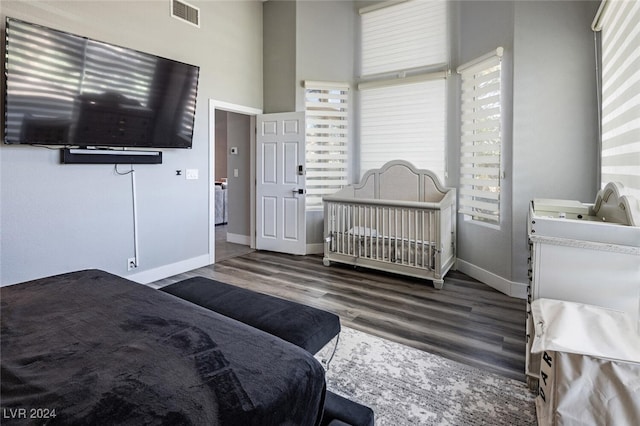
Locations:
(397, 219)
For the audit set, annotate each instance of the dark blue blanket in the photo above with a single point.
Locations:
(92, 348)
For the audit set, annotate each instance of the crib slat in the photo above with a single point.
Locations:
(430, 240)
(415, 225)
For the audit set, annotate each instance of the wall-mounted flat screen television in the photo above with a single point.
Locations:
(69, 90)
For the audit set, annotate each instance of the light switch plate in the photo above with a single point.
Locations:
(192, 174)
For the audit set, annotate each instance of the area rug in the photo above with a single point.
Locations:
(406, 386)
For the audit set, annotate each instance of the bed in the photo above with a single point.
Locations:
(90, 347)
(398, 219)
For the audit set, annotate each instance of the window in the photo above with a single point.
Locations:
(404, 122)
(481, 139)
(403, 36)
(619, 22)
(326, 110)
(402, 89)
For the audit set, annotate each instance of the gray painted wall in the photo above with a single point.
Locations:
(233, 130)
(306, 40)
(325, 51)
(279, 56)
(57, 218)
(555, 129)
(221, 145)
(550, 117)
(238, 128)
(480, 27)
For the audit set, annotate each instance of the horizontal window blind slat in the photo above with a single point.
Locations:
(474, 164)
(472, 176)
(322, 109)
(488, 95)
(481, 82)
(622, 160)
(631, 149)
(327, 142)
(329, 156)
(327, 145)
(318, 195)
(490, 217)
(631, 178)
(484, 139)
(327, 96)
(479, 193)
(325, 173)
(480, 181)
(624, 115)
(486, 144)
(473, 203)
(621, 138)
(480, 120)
(480, 129)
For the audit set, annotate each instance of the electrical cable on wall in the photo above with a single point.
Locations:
(132, 173)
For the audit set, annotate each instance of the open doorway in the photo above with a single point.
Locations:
(232, 171)
(232, 184)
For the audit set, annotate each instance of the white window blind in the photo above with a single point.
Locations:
(404, 122)
(480, 150)
(619, 22)
(326, 110)
(403, 36)
(403, 89)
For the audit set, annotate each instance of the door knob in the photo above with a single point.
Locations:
(298, 191)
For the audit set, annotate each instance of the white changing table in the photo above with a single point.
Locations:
(584, 253)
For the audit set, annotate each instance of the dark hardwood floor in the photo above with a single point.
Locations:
(466, 321)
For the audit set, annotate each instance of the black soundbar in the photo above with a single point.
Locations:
(109, 156)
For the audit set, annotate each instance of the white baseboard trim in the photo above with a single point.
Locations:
(510, 288)
(316, 248)
(151, 275)
(245, 240)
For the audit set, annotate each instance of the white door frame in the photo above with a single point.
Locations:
(241, 109)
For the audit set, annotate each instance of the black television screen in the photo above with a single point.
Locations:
(64, 89)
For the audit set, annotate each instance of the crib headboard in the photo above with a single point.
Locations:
(613, 204)
(397, 180)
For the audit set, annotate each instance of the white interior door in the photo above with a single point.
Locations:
(280, 183)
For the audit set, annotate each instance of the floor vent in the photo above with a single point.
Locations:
(185, 12)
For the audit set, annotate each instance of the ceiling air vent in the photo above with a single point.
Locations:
(185, 12)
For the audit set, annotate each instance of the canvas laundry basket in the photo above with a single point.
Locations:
(590, 365)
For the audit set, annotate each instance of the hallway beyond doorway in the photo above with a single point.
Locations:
(226, 250)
